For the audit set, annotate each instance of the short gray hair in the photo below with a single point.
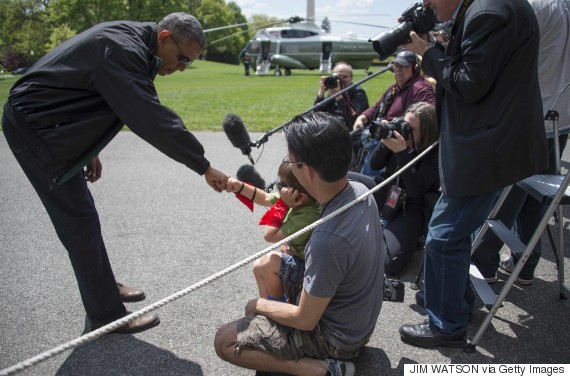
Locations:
(184, 25)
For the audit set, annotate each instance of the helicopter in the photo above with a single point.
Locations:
(304, 45)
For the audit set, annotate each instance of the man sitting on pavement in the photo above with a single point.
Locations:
(344, 270)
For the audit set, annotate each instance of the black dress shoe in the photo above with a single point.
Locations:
(130, 294)
(422, 335)
(420, 298)
(138, 325)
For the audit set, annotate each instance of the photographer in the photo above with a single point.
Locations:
(410, 87)
(347, 106)
(491, 136)
(417, 188)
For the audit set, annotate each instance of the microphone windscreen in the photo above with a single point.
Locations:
(236, 132)
(248, 174)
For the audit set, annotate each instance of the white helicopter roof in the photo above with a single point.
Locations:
(305, 30)
(294, 31)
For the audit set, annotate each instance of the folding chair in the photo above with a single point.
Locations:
(551, 190)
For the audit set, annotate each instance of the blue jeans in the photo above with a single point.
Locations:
(448, 296)
(366, 169)
(72, 211)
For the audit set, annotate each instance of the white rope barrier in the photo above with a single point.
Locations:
(91, 336)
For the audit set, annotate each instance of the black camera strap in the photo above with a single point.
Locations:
(466, 4)
(351, 107)
(386, 103)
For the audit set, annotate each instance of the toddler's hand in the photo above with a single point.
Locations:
(289, 196)
(233, 185)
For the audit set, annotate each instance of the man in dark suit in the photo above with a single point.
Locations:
(492, 135)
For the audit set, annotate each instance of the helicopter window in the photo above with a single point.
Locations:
(297, 33)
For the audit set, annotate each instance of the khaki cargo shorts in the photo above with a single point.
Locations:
(263, 334)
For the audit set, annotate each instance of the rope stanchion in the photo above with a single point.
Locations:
(91, 336)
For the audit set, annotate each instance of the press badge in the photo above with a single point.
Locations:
(393, 197)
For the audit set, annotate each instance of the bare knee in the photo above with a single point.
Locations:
(257, 268)
(225, 340)
(271, 262)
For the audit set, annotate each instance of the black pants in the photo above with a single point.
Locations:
(72, 211)
(402, 233)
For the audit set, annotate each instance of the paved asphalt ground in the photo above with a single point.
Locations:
(165, 230)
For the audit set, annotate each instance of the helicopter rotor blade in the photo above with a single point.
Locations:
(360, 24)
(226, 27)
(229, 36)
(293, 19)
(265, 25)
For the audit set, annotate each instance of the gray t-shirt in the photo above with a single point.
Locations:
(344, 261)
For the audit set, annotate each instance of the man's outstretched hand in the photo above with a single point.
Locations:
(216, 179)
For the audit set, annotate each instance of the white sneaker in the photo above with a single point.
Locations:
(525, 281)
(508, 266)
(340, 368)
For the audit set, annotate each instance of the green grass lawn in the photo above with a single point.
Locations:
(206, 92)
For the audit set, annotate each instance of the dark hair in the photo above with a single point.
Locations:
(429, 131)
(321, 141)
(185, 26)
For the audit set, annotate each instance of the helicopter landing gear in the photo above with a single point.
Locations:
(277, 72)
(287, 72)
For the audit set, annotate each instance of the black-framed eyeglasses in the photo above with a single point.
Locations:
(289, 163)
(182, 59)
(277, 185)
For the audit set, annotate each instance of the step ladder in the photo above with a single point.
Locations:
(326, 65)
(263, 68)
(551, 190)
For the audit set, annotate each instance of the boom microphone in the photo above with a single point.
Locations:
(237, 134)
(248, 174)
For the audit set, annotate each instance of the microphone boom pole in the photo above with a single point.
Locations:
(263, 139)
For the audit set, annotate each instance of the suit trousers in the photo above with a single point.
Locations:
(448, 296)
(72, 211)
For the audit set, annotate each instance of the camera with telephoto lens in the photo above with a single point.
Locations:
(416, 18)
(393, 290)
(379, 130)
(331, 81)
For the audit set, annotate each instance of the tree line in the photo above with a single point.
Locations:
(30, 28)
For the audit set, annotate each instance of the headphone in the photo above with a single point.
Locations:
(416, 67)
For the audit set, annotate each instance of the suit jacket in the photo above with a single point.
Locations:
(488, 99)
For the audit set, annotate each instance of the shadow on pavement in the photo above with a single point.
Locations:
(119, 354)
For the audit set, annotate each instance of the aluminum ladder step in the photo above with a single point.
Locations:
(507, 236)
(481, 287)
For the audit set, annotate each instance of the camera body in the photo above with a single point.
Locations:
(332, 81)
(393, 290)
(379, 130)
(416, 18)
